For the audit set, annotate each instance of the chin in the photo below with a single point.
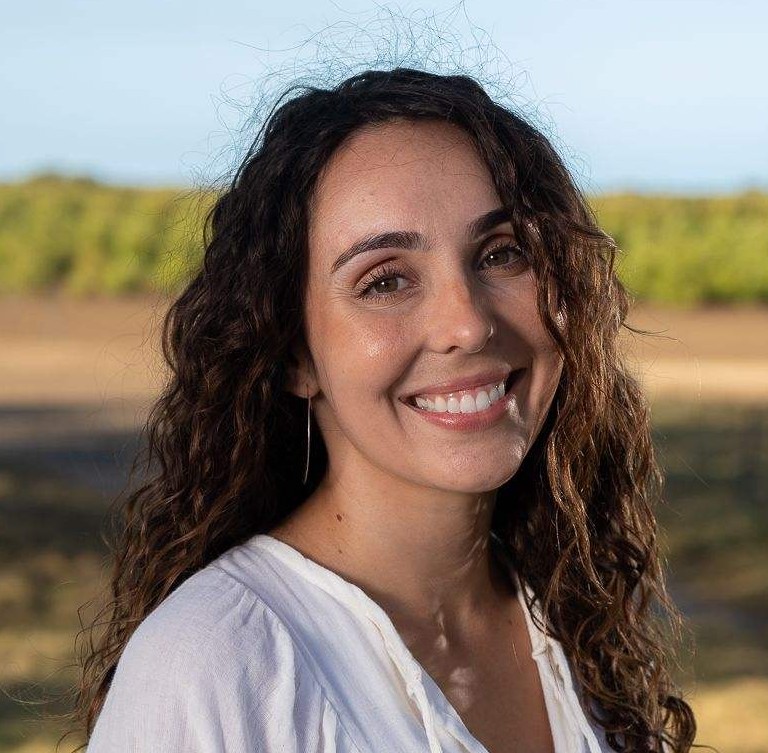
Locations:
(477, 481)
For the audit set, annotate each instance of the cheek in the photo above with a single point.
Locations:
(524, 318)
(547, 362)
(364, 354)
(536, 332)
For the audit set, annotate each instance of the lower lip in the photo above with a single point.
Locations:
(473, 421)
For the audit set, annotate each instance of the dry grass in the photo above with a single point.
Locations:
(732, 715)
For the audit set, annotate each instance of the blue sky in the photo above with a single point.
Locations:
(644, 95)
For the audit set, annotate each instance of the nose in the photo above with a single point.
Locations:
(462, 317)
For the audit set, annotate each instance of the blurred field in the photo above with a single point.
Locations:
(103, 349)
(76, 380)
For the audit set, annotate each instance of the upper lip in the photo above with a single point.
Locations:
(490, 376)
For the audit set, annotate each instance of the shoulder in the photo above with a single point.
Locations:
(210, 618)
(211, 651)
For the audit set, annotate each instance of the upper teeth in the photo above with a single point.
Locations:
(462, 401)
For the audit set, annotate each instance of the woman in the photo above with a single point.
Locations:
(405, 485)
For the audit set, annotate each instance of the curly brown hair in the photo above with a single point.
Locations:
(228, 438)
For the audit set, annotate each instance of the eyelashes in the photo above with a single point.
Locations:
(390, 271)
(387, 272)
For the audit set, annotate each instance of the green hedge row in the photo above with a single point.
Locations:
(690, 250)
(82, 237)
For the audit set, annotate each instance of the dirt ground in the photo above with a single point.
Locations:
(62, 351)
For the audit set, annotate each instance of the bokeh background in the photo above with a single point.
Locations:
(120, 121)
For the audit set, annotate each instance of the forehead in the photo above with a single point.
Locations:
(404, 175)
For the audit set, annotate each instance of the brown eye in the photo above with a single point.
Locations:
(384, 281)
(387, 275)
(507, 252)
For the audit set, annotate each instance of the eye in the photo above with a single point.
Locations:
(505, 249)
(386, 274)
(511, 256)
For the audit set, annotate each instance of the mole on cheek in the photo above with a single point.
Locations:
(338, 516)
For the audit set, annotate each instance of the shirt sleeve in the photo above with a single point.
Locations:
(230, 683)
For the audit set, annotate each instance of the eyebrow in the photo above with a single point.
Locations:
(409, 240)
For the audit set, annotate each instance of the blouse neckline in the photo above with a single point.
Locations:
(414, 674)
(330, 580)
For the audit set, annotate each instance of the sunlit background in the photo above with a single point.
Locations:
(120, 121)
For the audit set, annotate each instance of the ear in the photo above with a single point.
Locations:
(301, 379)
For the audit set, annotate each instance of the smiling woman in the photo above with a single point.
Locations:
(405, 297)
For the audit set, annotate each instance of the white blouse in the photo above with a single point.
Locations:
(266, 651)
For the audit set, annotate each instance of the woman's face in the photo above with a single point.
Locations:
(414, 308)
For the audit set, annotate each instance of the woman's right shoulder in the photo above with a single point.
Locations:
(211, 650)
(208, 615)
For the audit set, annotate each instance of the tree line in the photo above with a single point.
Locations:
(83, 237)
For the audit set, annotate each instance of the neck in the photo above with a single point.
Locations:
(424, 555)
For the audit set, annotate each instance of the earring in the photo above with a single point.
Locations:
(309, 404)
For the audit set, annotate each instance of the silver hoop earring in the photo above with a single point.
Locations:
(309, 405)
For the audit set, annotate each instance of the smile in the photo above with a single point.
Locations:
(474, 400)
(472, 409)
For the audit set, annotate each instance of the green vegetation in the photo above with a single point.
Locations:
(690, 250)
(81, 237)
